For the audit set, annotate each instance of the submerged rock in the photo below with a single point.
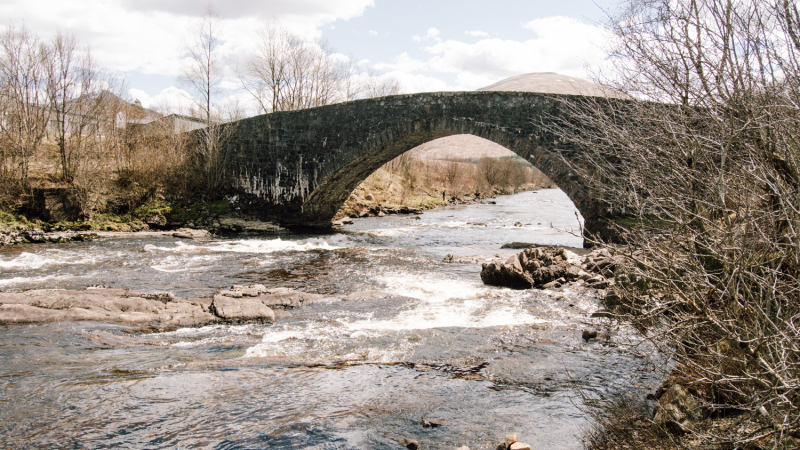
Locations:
(189, 233)
(518, 245)
(410, 444)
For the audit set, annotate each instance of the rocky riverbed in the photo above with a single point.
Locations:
(354, 339)
(237, 305)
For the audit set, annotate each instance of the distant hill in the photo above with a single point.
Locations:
(553, 83)
(460, 146)
(466, 146)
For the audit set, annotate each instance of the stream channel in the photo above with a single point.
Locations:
(402, 335)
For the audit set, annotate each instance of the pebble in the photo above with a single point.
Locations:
(432, 423)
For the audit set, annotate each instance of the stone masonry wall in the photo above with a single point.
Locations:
(300, 166)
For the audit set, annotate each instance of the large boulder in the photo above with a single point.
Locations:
(509, 274)
(541, 267)
(56, 204)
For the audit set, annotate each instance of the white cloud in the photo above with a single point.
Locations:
(411, 83)
(373, 32)
(432, 33)
(171, 99)
(560, 44)
(477, 33)
(403, 63)
(341, 9)
(147, 36)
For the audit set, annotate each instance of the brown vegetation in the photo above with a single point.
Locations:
(424, 183)
(68, 129)
(702, 172)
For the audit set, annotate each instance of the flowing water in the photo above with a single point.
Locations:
(401, 336)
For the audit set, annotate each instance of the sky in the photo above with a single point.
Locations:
(427, 45)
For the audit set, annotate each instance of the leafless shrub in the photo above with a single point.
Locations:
(500, 172)
(23, 105)
(454, 172)
(705, 168)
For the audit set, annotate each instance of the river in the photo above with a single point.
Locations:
(402, 335)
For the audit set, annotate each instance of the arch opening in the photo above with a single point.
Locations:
(445, 146)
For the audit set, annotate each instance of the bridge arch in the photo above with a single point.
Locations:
(301, 166)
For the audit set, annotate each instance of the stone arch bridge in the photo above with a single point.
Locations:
(301, 166)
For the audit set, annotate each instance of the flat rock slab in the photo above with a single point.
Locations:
(242, 309)
(104, 305)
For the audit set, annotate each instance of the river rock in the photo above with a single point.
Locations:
(156, 220)
(410, 444)
(498, 274)
(518, 245)
(240, 304)
(285, 298)
(590, 334)
(519, 446)
(237, 291)
(243, 309)
(189, 233)
(677, 410)
(431, 423)
(510, 439)
(542, 267)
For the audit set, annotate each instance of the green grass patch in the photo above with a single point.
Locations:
(151, 209)
(15, 222)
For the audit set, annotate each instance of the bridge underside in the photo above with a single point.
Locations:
(328, 197)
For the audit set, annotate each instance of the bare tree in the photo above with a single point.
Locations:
(704, 166)
(492, 170)
(23, 102)
(74, 99)
(288, 73)
(204, 71)
(204, 74)
(265, 73)
(453, 172)
(377, 85)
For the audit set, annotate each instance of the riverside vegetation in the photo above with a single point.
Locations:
(75, 155)
(411, 184)
(702, 171)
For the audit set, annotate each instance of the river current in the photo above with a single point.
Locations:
(401, 335)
